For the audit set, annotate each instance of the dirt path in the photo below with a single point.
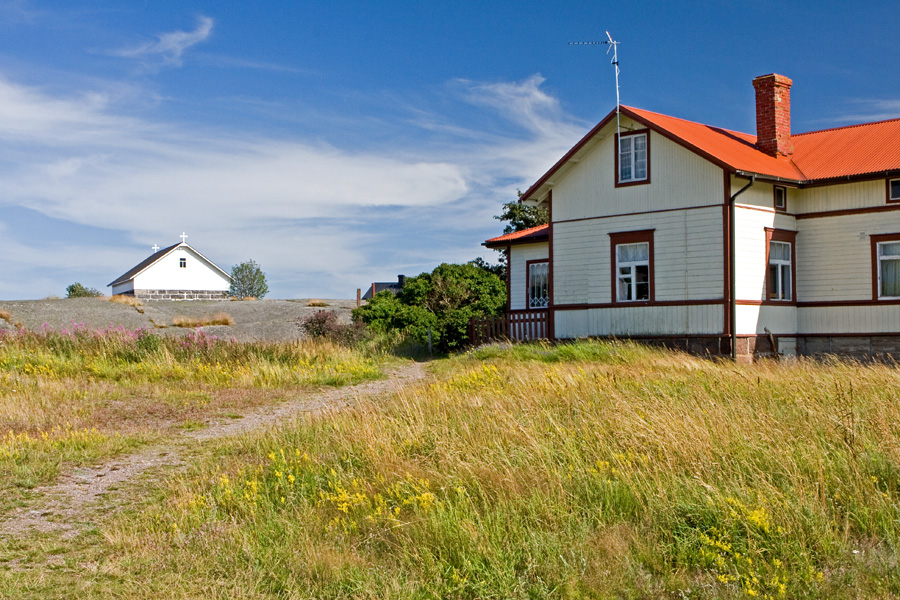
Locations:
(73, 502)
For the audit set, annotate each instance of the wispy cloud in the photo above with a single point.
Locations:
(867, 110)
(169, 47)
(318, 215)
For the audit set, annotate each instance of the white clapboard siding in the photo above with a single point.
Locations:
(861, 194)
(834, 255)
(518, 273)
(850, 319)
(750, 248)
(679, 178)
(640, 320)
(197, 274)
(756, 319)
(688, 256)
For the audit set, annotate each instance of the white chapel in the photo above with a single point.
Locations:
(178, 272)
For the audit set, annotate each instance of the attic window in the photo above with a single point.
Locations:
(633, 158)
(182, 262)
(893, 190)
(780, 198)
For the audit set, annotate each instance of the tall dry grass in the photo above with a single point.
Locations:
(220, 318)
(126, 300)
(73, 396)
(589, 470)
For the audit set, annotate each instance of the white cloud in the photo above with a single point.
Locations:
(169, 47)
(868, 111)
(317, 216)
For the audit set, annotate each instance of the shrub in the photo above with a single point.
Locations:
(248, 280)
(77, 290)
(316, 303)
(326, 324)
(6, 316)
(443, 301)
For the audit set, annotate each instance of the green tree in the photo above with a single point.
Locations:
(444, 300)
(248, 281)
(76, 290)
(519, 216)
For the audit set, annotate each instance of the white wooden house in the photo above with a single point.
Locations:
(719, 241)
(178, 272)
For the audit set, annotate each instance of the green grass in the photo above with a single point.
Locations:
(589, 470)
(74, 397)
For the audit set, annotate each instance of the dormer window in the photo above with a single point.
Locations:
(893, 190)
(182, 262)
(780, 198)
(633, 158)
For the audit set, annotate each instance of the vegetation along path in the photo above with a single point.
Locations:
(79, 496)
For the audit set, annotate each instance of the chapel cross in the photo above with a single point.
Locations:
(183, 236)
(155, 248)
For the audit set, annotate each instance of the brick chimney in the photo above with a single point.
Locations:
(773, 114)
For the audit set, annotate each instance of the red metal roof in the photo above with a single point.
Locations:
(857, 150)
(846, 151)
(730, 149)
(534, 234)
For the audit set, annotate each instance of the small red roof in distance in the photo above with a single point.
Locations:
(844, 151)
(534, 234)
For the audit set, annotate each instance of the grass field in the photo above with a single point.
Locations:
(590, 470)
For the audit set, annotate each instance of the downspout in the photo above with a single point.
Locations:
(733, 259)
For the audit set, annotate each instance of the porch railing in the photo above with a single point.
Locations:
(516, 325)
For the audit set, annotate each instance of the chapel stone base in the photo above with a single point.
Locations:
(177, 294)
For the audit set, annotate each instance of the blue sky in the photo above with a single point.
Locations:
(342, 142)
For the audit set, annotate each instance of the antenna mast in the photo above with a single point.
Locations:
(614, 46)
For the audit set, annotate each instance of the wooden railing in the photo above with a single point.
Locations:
(517, 325)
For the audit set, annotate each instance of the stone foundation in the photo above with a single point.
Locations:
(177, 295)
(884, 348)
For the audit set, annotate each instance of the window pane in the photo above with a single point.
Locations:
(890, 277)
(895, 189)
(640, 157)
(627, 253)
(625, 284)
(785, 282)
(780, 251)
(538, 285)
(642, 282)
(773, 282)
(892, 249)
(625, 159)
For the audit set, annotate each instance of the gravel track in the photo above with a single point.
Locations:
(80, 496)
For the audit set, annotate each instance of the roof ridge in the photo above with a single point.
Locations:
(653, 112)
(853, 126)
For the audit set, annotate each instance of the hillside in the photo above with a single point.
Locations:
(257, 320)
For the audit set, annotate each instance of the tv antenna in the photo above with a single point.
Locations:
(614, 46)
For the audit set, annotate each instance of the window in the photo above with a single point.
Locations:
(780, 277)
(888, 268)
(893, 190)
(538, 284)
(779, 271)
(182, 262)
(632, 262)
(780, 198)
(633, 158)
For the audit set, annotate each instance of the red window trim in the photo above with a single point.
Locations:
(875, 240)
(630, 237)
(782, 235)
(775, 189)
(528, 264)
(616, 155)
(887, 190)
